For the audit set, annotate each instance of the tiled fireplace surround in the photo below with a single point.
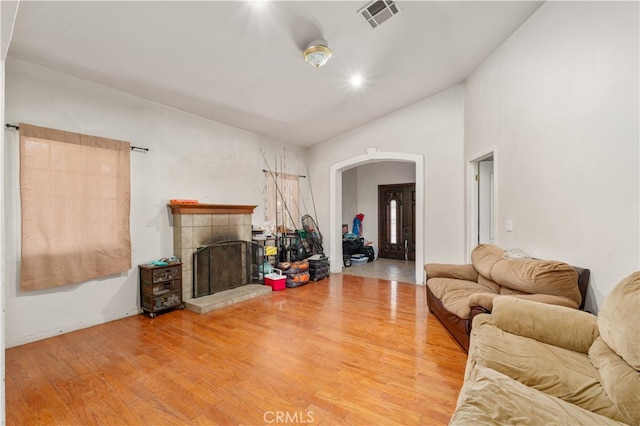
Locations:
(197, 225)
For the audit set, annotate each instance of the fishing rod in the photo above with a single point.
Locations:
(313, 201)
(291, 195)
(275, 207)
(275, 181)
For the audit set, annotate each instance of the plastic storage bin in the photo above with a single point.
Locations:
(359, 260)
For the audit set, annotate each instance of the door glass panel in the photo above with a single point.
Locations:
(393, 238)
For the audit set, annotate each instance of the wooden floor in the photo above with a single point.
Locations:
(344, 350)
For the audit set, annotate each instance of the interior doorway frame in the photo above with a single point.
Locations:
(472, 197)
(335, 203)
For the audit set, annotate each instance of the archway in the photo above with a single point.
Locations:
(335, 203)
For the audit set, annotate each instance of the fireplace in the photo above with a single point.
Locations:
(199, 225)
(225, 265)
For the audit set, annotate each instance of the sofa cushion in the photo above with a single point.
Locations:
(558, 372)
(491, 398)
(619, 380)
(446, 270)
(486, 299)
(526, 275)
(550, 299)
(546, 323)
(506, 291)
(486, 282)
(453, 294)
(619, 320)
(538, 276)
(484, 257)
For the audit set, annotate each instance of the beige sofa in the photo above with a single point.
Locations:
(534, 363)
(456, 293)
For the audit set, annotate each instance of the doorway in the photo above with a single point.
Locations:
(482, 199)
(485, 201)
(396, 221)
(335, 204)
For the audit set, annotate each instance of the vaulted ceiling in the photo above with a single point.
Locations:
(240, 62)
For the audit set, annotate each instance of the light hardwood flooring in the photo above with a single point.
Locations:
(343, 350)
(389, 269)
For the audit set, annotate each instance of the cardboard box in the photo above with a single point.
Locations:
(277, 281)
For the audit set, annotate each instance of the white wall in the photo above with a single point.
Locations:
(189, 157)
(8, 10)
(432, 128)
(349, 196)
(369, 177)
(2, 252)
(559, 100)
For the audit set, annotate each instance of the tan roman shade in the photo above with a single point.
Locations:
(75, 196)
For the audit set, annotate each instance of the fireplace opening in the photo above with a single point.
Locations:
(225, 265)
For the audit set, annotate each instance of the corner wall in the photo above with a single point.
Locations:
(559, 99)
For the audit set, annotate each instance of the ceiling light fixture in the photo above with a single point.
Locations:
(356, 80)
(317, 53)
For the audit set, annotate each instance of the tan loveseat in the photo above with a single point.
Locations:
(537, 364)
(456, 293)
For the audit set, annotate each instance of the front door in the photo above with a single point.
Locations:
(396, 216)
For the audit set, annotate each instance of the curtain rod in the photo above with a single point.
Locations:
(288, 174)
(133, 148)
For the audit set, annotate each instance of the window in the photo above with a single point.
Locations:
(281, 201)
(75, 198)
(393, 222)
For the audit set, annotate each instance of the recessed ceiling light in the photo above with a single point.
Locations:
(356, 80)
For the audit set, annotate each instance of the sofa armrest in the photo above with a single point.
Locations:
(444, 270)
(556, 325)
(474, 312)
(482, 300)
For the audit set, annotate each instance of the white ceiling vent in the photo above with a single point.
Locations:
(378, 11)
